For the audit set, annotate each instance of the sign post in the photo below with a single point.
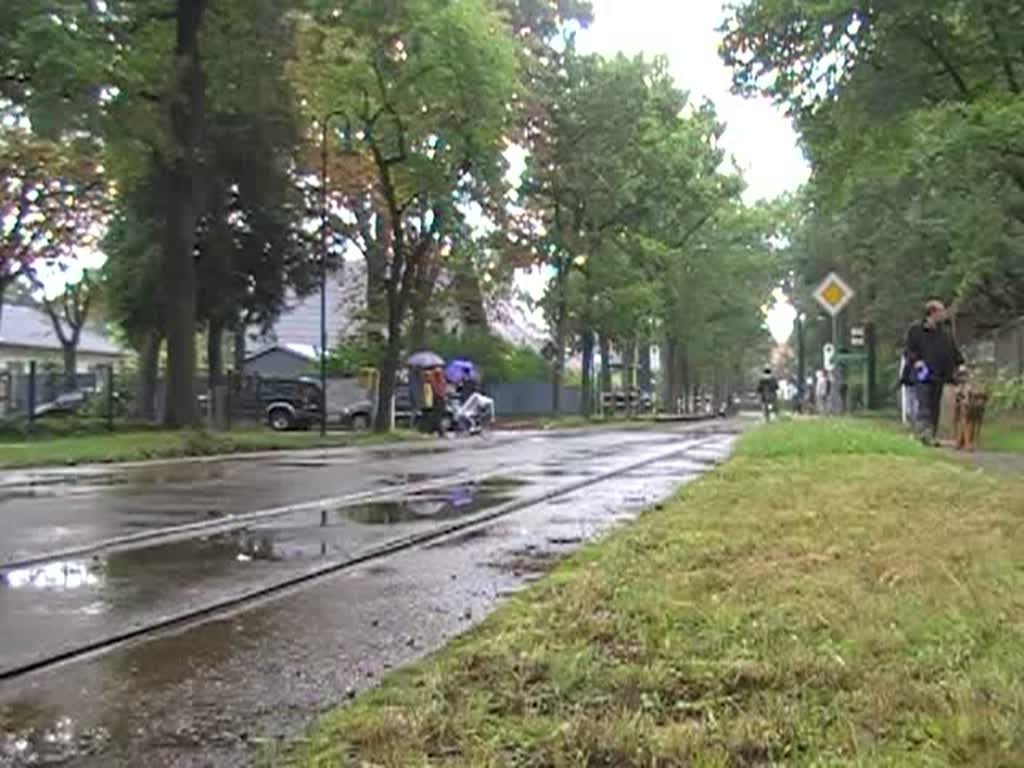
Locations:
(833, 294)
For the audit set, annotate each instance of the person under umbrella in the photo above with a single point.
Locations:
(439, 388)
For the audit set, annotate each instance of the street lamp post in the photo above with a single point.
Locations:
(324, 254)
(801, 358)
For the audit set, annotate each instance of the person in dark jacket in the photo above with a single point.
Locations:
(933, 360)
(768, 391)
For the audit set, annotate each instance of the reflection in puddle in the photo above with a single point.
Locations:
(409, 478)
(58, 575)
(54, 744)
(458, 501)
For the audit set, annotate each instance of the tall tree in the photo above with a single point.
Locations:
(69, 313)
(423, 87)
(178, 164)
(54, 202)
(910, 114)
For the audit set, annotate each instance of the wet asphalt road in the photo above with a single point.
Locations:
(222, 691)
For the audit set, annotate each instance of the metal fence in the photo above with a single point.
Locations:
(532, 398)
(115, 399)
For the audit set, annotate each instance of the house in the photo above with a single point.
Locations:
(27, 334)
(298, 327)
(282, 361)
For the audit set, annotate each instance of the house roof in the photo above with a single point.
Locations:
(299, 324)
(302, 351)
(28, 327)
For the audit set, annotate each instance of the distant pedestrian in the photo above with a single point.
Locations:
(822, 390)
(768, 391)
(439, 392)
(934, 359)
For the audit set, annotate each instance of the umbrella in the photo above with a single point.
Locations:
(460, 370)
(425, 360)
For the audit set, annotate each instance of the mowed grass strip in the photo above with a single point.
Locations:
(1004, 434)
(155, 444)
(834, 596)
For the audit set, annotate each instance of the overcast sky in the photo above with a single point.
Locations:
(758, 135)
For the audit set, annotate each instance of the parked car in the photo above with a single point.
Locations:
(293, 405)
(296, 405)
(69, 402)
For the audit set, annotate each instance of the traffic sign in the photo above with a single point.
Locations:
(834, 294)
(857, 336)
(828, 357)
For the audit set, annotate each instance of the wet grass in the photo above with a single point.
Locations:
(152, 444)
(834, 596)
(1004, 434)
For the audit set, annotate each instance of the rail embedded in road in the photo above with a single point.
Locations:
(234, 602)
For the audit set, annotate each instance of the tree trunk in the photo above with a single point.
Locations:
(239, 348)
(149, 369)
(377, 238)
(215, 353)
(70, 350)
(470, 299)
(426, 279)
(628, 365)
(181, 189)
(606, 364)
(388, 375)
(684, 378)
(671, 375)
(561, 333)
(587, 400)
(645, 374)
(418, 326)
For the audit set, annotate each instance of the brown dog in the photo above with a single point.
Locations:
(969, 415)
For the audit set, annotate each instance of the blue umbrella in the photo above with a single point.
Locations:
(460, 370)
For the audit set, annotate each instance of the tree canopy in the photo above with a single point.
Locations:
(910, 114)
(195, 144)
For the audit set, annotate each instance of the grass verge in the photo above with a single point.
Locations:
(1004, 434)
(835, 595)
(151, 444)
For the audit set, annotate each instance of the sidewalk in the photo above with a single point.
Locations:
(835, 594)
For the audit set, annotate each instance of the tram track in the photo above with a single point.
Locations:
(180, 620)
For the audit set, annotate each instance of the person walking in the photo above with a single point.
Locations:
(821, 392)
(768, 390)
(934, 359)
(439, 391)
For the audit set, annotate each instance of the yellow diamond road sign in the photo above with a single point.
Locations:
(833, 294)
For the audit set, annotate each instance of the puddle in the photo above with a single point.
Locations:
(391, 454)
(448, 504)
(410, 478)
(565, 541)
(69, 575)
(559, 470)
(527, 561)
(504, 481)
(467, 537)
(56, 742)
(174, 473)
